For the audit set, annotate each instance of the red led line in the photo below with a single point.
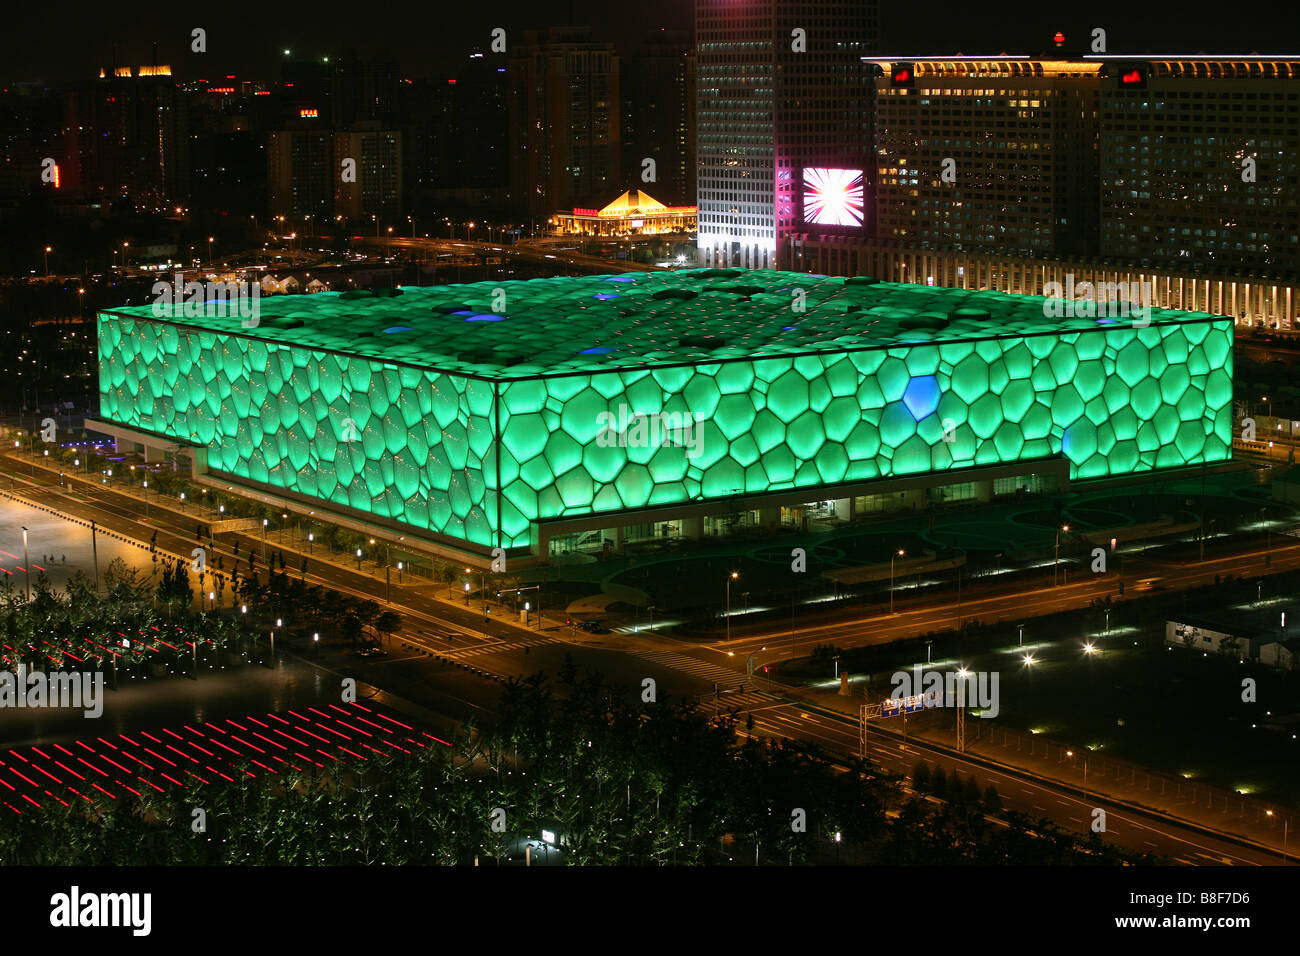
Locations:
(92, 766)
(159, 756)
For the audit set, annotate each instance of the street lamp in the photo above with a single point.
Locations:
(734, 576)
(27, 565)
(1286, 825)
(358, 559)
(1057, 561)
(467, 594)
(311, 538)
(892, 558)
(146, 498)
(48, 250)
(210, 240)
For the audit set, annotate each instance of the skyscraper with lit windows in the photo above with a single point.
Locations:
(780, 87)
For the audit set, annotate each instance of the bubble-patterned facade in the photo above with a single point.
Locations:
(471, 412)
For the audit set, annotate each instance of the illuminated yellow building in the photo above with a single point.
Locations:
(635, 213)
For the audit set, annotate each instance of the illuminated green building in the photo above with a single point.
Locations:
(541, 415)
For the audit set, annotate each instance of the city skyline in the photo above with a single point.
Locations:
(53, 54)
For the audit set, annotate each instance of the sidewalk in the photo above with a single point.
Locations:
(296, 547)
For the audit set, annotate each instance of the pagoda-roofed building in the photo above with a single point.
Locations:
(634, 213)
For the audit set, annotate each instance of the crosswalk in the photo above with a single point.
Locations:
(722, 676)
(493, 648)
(749, 700)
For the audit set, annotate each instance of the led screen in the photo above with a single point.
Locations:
(832, 197)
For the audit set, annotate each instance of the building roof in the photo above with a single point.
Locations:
(557, 326)
(634, 202)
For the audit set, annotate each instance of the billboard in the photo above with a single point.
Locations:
(832, 197)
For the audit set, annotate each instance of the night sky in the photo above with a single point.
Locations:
(69, 40)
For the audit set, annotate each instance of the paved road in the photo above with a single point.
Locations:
(500, 648)
(1020, 792)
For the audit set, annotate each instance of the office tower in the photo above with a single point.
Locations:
(564, 135)
(781, 89)
(658, 117)
(1173, 172)
(300, 173)
(992, 154)
(1199, 162)
(127, 138)
(376, 194)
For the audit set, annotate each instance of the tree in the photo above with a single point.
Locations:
(388, 623)
(992, 802)
(939, 783)
(956, 790)
(921, 776)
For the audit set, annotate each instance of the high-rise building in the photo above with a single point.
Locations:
(362, 91)
(658, 101)
(376, 193)
(783, 124)
(987, 154)
(1200, 162)
(300, 172)
(564, 132)
(1178, 173)
(127, 138)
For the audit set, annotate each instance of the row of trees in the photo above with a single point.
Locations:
(618, 782)
(120, 628)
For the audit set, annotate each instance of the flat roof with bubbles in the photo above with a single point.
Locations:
(588, 324)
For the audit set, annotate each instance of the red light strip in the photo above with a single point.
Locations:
(185, 755)
(27, 778)
(92, 766)
(70, 770)
(159, 756)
